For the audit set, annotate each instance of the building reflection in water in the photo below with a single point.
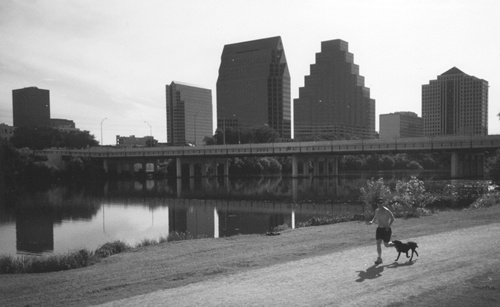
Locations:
(214, 207)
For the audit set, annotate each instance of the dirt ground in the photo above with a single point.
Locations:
(465, 273)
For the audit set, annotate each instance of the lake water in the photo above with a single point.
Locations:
(65, 218)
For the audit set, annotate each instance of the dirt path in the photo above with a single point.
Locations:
(347, 277)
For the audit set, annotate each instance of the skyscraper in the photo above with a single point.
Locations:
(334, 100)
(253, 88)
(31, 107)
(189, 113)
(455, 103)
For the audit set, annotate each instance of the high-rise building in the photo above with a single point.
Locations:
(455, 103)
(253, 87)
(334, 100)
(189, 113)
(401, 125)
(31, 107)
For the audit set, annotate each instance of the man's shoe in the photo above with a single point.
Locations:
(378, 261)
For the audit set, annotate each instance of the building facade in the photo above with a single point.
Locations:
(133, 141)
(253, 87)
(6, 131)
(455, 104)
(189, 114)
(334, 100)
(400, 125)
(63, 124)
(31, 107)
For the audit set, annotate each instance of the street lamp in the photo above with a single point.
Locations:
(150, 129)
(150, 134)
(194, 121)
(101, 130)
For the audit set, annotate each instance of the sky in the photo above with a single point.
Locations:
(106, 63)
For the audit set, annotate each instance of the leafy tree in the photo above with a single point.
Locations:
(46, 137)
(493, 166)
(233, 135)
(411, 198)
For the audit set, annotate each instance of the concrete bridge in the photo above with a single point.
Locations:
(467, 154)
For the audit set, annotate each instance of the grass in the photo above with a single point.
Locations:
(77, 259)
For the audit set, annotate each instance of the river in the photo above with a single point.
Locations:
(67, 217)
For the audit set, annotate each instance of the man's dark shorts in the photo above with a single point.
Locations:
(383, 234)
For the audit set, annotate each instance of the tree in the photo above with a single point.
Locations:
(46, 137)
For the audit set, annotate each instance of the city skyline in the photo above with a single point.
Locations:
(113, 59)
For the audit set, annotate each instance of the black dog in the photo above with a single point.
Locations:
(405, 248)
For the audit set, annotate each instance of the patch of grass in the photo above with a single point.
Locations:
(77, 259)
(53, 263)
(318, 221)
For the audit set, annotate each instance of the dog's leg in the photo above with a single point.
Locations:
(411, 255)
(416, 252)
(407, 255)
(398, 256)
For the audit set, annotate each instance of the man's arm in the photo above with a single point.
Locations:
(374, 217)
(391, 218)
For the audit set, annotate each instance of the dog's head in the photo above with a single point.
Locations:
(397, 243)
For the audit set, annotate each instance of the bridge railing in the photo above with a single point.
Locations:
(321, 147)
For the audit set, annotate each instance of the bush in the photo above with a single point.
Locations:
(112, 248)
(486, 200)
(411, 198)
(373, 191)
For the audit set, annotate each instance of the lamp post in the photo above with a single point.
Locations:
(150, 129)
(194, 121)
(101, 130)
(150, 134)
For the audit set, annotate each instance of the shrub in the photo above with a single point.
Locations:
(112, 248)
(486, 200)
(411, 198)
(373, 191)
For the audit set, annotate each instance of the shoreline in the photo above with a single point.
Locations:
(178, 263)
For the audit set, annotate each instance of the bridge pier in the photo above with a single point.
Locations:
(467, 165)
(322, 165)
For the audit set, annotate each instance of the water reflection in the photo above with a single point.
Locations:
(66, 218)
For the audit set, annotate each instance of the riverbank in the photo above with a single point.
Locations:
(179, 263)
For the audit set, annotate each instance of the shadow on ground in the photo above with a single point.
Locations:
(375, 271)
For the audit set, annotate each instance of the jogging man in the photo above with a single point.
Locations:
(384, 219)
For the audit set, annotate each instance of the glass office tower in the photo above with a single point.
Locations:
(334, 101)
(455, 104)
(31, 107)
(253, 87)
(189, 114)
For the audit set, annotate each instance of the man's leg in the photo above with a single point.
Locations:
(379, 251)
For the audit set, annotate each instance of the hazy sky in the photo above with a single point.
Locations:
(112, 58)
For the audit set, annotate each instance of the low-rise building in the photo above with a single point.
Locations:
(401, 125)
(133, 141)
(6, 131)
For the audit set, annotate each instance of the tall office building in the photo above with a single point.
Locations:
(401, 125)
(31, 107)
(189, 113)
(334, 99)
(253, 88)
(455, 103)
